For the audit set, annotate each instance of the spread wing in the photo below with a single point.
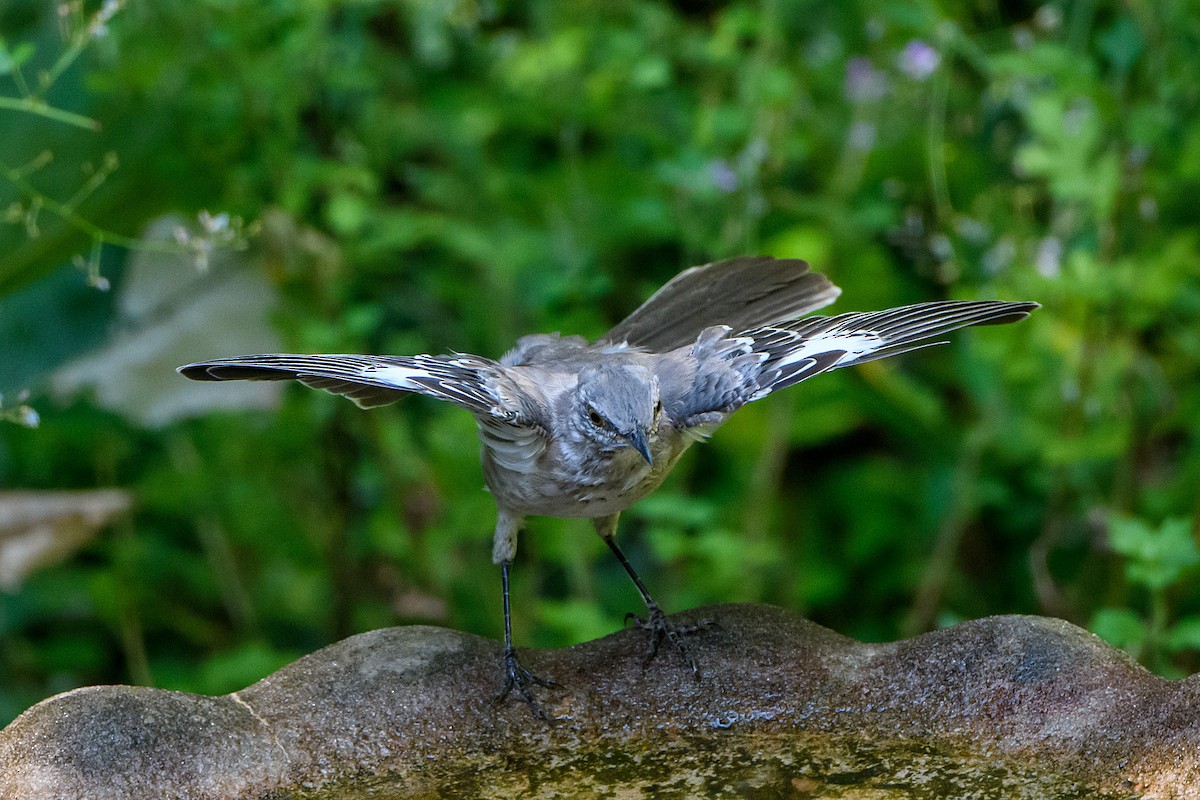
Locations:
(741, 293)
(477, 384)
(810, 346)
(720, 373)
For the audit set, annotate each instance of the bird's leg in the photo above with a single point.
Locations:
(516, 676)
(656, 621)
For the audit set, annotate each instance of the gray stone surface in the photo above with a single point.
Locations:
(1013, 707)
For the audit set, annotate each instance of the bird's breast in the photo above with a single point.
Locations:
(575, 478)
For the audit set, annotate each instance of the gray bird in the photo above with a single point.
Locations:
(578, 429)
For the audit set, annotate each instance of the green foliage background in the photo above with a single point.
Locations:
(438, 175)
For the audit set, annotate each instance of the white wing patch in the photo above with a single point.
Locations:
(855, 345)
(400, 377)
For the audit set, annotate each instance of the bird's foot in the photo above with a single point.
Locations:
(661, 628)
(522, 681)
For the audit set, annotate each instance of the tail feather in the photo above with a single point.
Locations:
(740, 293)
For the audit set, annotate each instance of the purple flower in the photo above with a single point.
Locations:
(863, 82)
(723, 176)
(862, 135)
(1148, 208)
(28, 417)
(1048, 260)
(918, 60)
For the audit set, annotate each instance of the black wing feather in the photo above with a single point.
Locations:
(469, 381)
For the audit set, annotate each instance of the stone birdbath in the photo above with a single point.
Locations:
(1005, 707)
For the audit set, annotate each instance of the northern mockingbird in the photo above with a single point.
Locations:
(572, 428)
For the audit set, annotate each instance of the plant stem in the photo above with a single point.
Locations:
(39, 107)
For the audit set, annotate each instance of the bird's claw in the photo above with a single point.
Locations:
(521, 680)
(661, 628)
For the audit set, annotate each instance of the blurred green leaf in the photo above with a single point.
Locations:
(1158, 556)
(232, 670)
(1184, 634)
(1122, 43)
(1120, 627)
(12, 58)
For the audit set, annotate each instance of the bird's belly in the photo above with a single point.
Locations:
(597, 492)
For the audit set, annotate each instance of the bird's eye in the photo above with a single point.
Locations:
(595, 418)
(658, 407)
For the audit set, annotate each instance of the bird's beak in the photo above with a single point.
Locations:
(637, 440)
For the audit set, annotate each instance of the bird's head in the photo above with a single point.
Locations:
(619, 405)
